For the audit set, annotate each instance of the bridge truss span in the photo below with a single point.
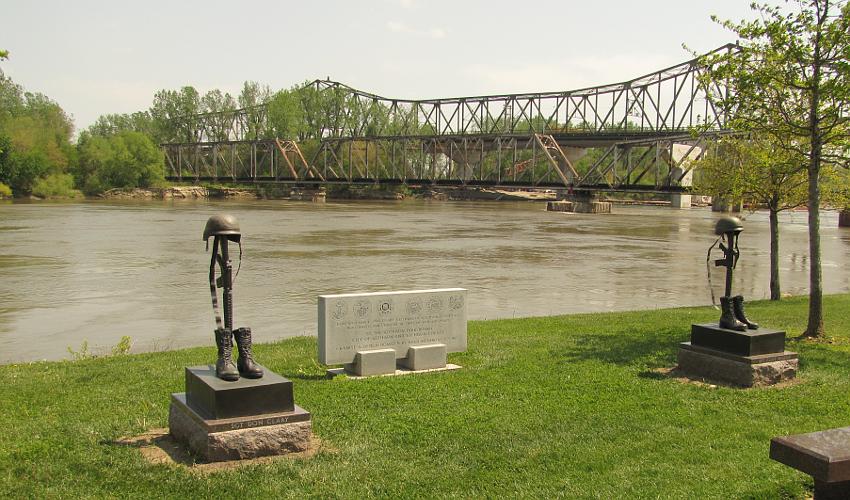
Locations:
(535, 161)
(535, 140)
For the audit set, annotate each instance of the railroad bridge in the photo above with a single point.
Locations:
(639, 135)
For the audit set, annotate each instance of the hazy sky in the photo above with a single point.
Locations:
(97, 57)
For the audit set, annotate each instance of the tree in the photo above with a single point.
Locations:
(34, 137)
(286, 115)
(11, 100)
(250, 100)
(220, 107)
(790, 82)
(127, 159)
(4, 54)
(20, 169)
(174, 115)
(111, 124)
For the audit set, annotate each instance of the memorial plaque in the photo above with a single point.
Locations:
(392, 320)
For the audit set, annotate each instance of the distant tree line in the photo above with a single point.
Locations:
(36, 153)
(120, 150)
(38, 157)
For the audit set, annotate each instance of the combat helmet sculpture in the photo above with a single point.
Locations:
(223, 229)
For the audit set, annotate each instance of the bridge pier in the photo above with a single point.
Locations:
(720, 205)
(317, 195)
(681, 156)
(679, 200)
(574, 154)
(583, 202)
(844, 218)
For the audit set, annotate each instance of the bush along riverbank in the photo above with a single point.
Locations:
(571, 406)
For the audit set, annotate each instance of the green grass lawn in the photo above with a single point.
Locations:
(564, 406)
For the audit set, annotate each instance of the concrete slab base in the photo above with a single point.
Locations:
(744, 371)
(335, 372)
(218, 440)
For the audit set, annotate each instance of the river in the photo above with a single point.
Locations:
(95, 271)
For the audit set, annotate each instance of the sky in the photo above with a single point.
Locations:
(99, 57)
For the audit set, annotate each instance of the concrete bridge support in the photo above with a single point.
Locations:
(721, 205)
(681, 157)
(574, 154)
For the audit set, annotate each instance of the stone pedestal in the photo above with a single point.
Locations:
(748, 358)
(744, 371)
(746, 343)
(217, 398)
(248, 418)
(824, 455)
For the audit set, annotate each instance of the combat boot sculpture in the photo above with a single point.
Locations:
(247, 367)
(727, 316)
(740, 315)
(224, 368)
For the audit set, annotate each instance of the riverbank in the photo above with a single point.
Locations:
(358, 192)
(334, 192)
(570, 406)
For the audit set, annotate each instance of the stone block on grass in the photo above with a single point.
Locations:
(425, 357)
(374, 362)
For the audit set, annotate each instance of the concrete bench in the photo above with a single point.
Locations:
(824, 455)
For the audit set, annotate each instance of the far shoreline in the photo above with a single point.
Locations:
(367, 193)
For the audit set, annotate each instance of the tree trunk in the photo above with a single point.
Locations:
(815, 324)
(775, 292)
(814, 328)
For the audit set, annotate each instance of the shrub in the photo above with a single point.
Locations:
(125, 160)
(56, 186)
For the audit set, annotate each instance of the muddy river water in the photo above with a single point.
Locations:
(96, 271)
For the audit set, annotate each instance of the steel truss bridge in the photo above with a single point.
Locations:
(646, 132)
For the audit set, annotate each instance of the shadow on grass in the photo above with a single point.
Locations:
(157, 446)
(655, 375)
(654, 349)
(308, 376)
(661, 374)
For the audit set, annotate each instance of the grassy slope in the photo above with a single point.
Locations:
(544, 406)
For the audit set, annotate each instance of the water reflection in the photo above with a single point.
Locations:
(100, 270)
